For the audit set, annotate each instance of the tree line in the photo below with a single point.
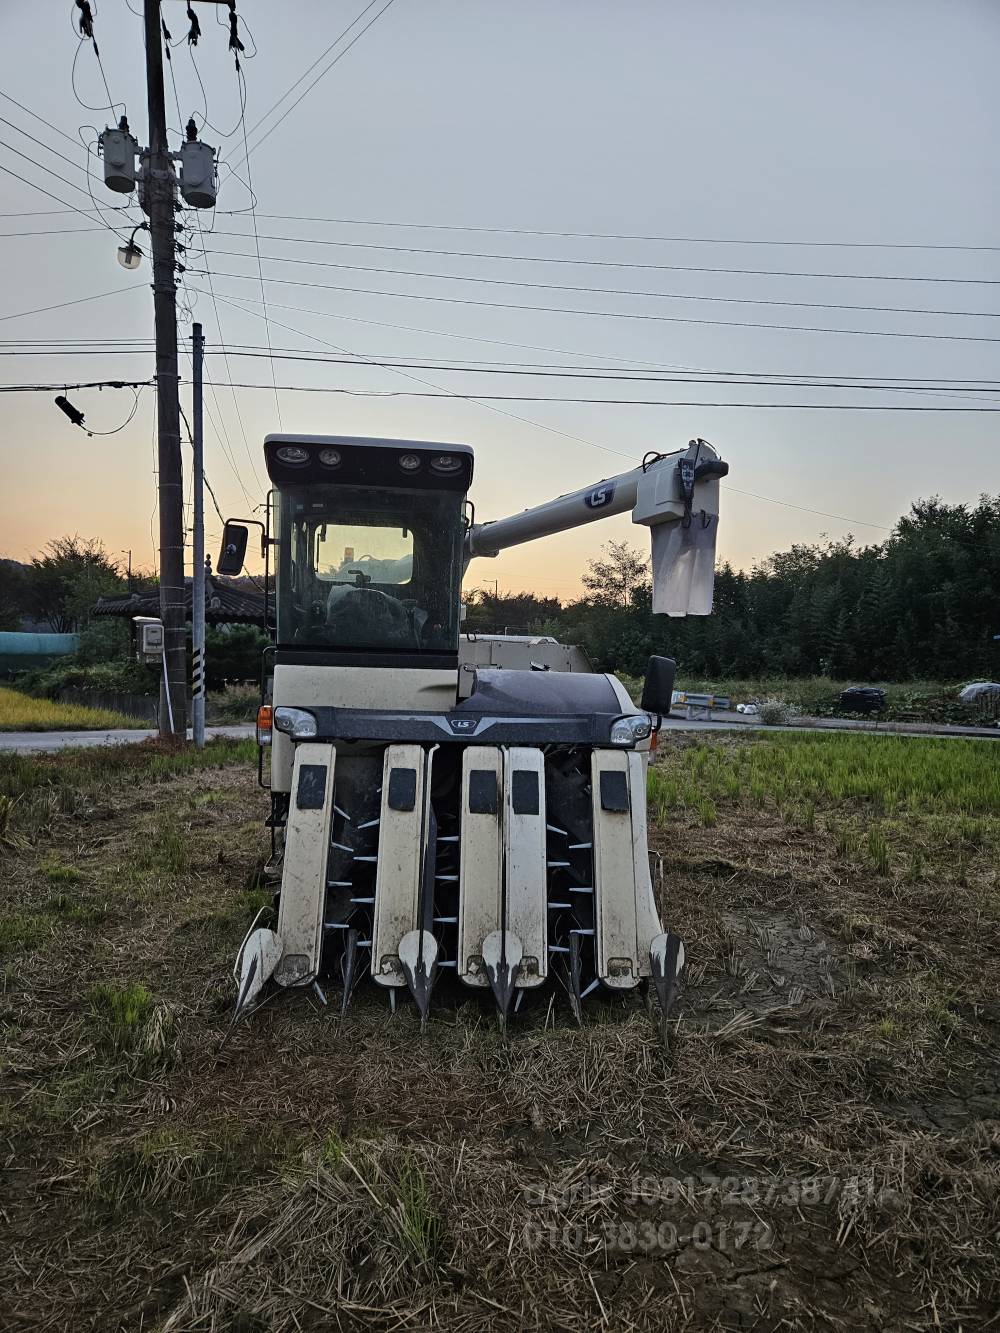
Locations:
(923, 603)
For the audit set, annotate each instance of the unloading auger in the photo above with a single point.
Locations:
(443, 801)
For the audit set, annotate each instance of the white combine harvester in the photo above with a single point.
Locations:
(442, 801)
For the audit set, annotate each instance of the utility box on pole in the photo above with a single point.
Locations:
(148, 638)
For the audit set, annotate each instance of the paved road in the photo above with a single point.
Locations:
(46, 742)
(727, 721)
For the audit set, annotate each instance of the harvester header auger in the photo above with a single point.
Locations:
(442, 802)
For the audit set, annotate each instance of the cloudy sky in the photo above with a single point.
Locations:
(855, 138)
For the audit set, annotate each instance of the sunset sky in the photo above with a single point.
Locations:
(869, 124)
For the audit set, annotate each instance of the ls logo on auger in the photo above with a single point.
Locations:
(600, 496)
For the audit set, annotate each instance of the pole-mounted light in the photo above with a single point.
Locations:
(129, 255)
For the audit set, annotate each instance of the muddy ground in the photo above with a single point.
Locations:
(818, 1145)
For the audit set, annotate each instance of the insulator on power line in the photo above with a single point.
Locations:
(86, 19)
(119, 149)
(199, 185)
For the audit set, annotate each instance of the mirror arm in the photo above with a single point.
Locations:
(264, 538)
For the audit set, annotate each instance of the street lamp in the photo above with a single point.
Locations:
(129, 255)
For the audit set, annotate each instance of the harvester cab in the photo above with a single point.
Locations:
(496, 830)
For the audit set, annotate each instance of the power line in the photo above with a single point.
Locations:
(41, 344)
(608, 402)
(76, 144)
(24, 180)
(726, 377)
(41, 119)
(260, 272)
(611, 263)
(221, 435)
(606, 291)
(624, 236)
(614, 314)
(732, 378)
(128, 419)
(471, 338)
(61, 305)
(91, 384)
(460, 337)
(48, 148)
(858, 522)
(204, 474)
(320, 57)
(736, 378)
(225, 358)
(88, 346)
(53, 231)
(786, 504)
(323, 73)
(84, 37)
(490, 407)
(69, 344)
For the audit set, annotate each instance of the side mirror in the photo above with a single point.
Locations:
(658, 687)
(234, 548)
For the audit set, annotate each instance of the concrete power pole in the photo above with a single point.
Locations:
(160, 186)
(198, 566)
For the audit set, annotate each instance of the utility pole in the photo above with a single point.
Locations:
(198, 579)
(159, 196)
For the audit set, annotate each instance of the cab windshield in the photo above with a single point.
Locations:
(359, 568)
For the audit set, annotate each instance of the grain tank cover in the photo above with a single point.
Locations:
(502, 693)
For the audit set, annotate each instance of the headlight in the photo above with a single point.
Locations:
(292, 453)
(446, 463)
(629, 730)
(330, 457)
(295, 722)
(409, 462)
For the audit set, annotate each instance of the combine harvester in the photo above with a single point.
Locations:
(441, 801)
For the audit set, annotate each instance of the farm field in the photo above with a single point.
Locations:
(816, 1147)
(817, 696)
(23, 712)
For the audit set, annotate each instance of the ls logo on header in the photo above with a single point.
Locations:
(600, 496)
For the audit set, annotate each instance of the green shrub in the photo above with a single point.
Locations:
(235, 703)
(233, 653)
(124, 675)
(774, 713)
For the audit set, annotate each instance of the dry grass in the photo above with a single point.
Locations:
(22, 712)
(819, 1149)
